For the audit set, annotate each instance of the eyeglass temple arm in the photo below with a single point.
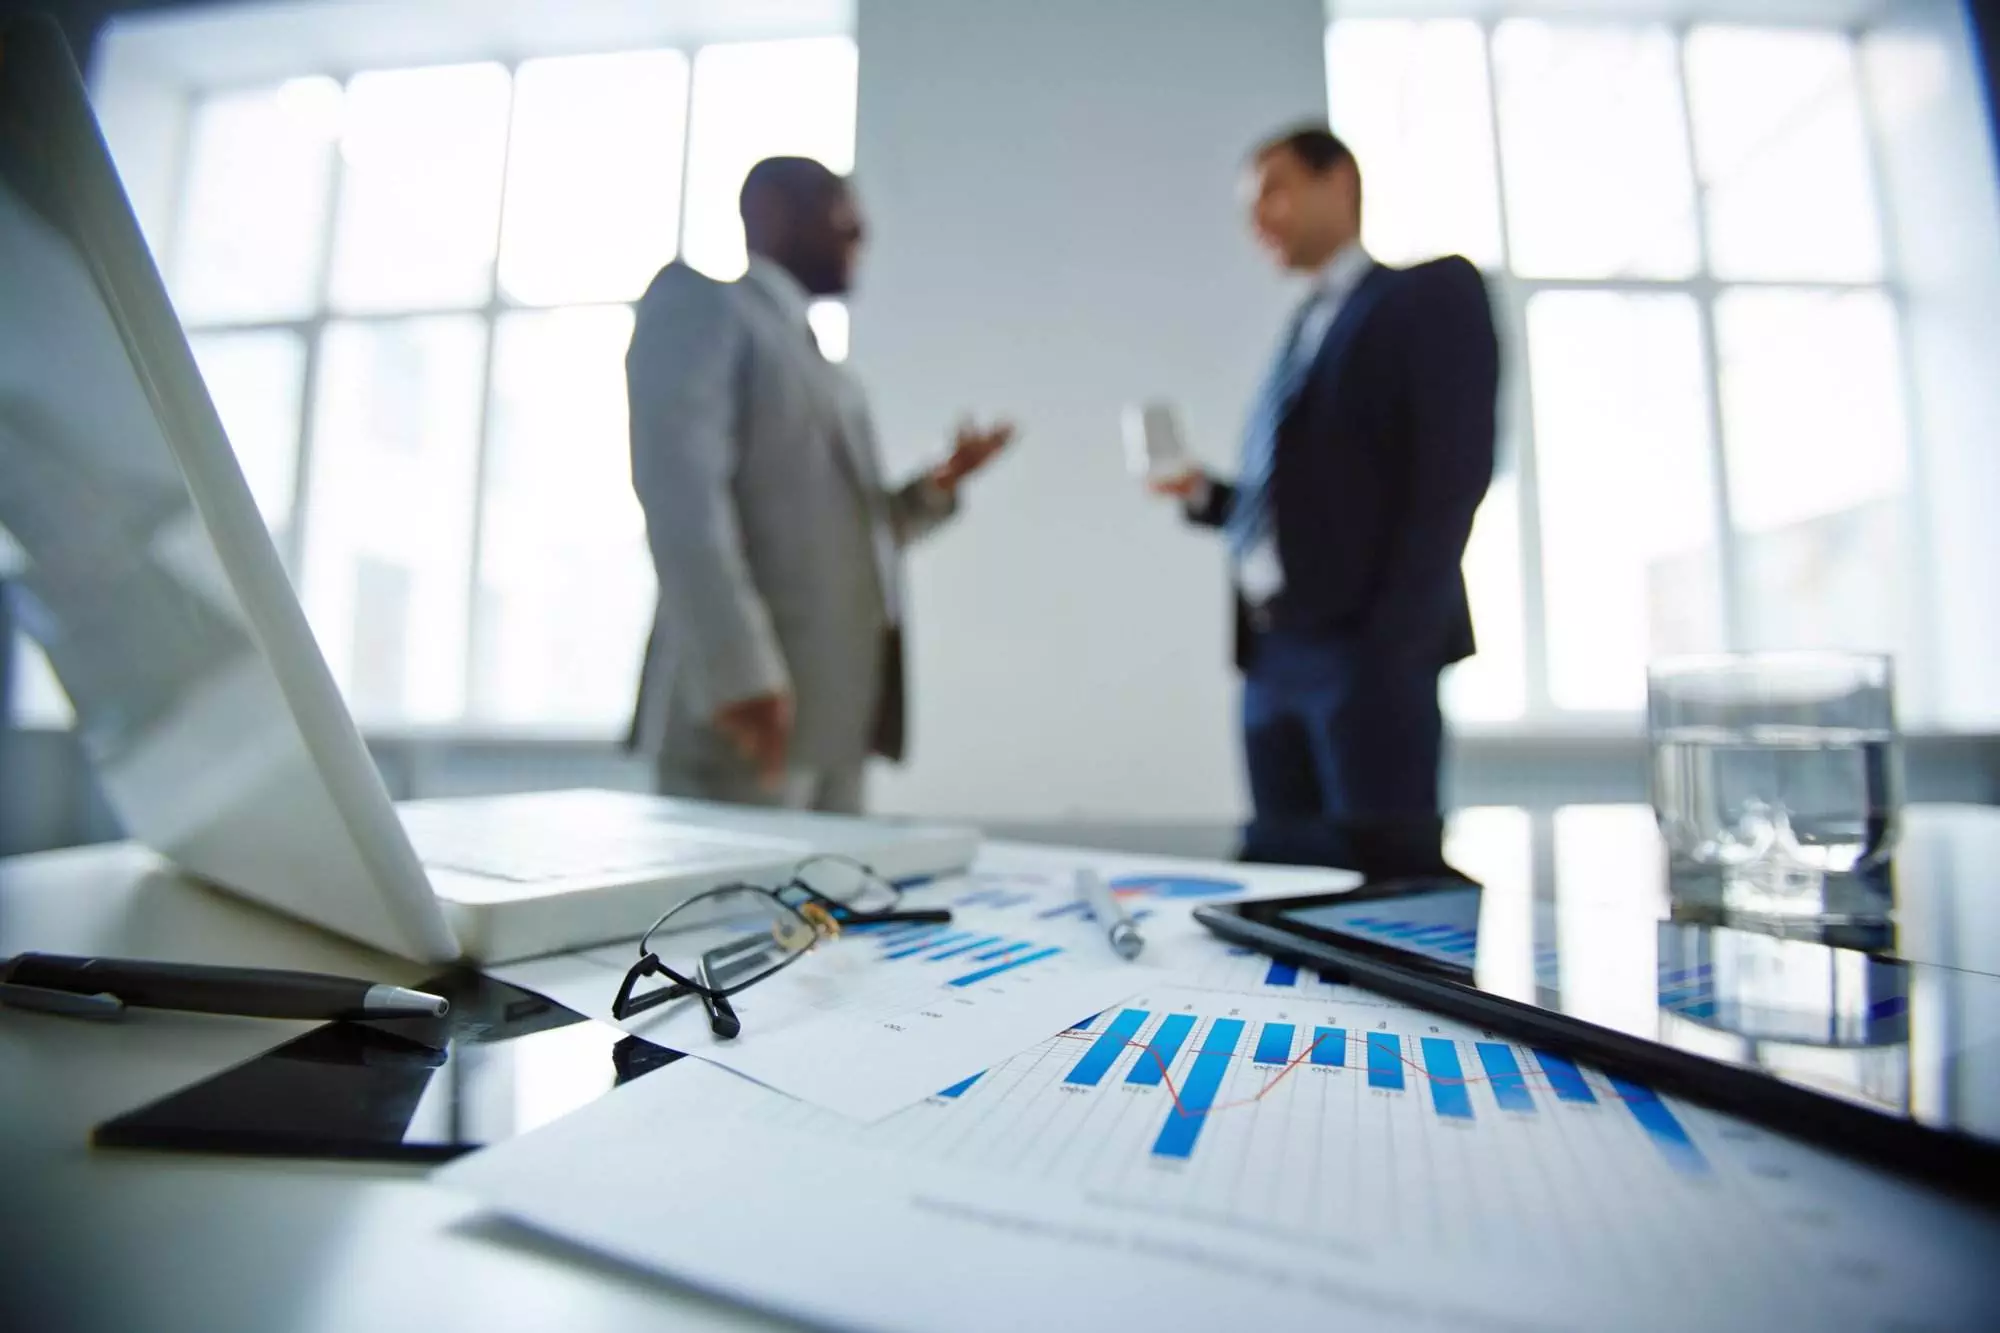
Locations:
(722, 1019)
(625, 1006)
(938, 916)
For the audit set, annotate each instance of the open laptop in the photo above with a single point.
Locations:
(214, 725)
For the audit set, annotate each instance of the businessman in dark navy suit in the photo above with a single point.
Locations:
(1368, 450)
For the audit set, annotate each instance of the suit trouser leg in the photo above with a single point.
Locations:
(1343, 758)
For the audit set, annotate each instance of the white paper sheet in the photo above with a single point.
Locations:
(874, 1022)
(1025, 1202)
(1236, 1144)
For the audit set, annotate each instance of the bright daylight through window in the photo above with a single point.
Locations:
(410, 296)
(1704, 440)
(417, 352)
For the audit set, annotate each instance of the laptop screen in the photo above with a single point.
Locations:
(140, 561)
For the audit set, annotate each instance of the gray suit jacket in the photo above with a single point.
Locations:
(776, 543)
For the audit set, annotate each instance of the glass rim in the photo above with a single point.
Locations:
(1810, 658)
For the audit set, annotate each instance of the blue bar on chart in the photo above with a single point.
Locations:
(1077, 908)
(1662, 1126)
(1103, 1052)
(1564, 1077)
(1002, 951)
(1385, 1061)
(1503, 1073)
(1449, 1095)
(1274, 1044)
(956, 950)
(1282, 974)
(1184, 1123)
(1159, 1054)
(974, 978)
(895, 934)
(1084, 1026)
(1330, 1047)
(926, 945)
(958, 1089)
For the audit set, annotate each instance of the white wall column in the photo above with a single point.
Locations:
(1052, 188)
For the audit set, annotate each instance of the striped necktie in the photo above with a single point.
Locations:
(1250, 512)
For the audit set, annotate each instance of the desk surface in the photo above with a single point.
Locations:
(110, 1240)
(113, 1240)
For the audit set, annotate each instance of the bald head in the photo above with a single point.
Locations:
(802, 217)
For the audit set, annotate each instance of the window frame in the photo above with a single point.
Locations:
(311, 329)
(1512, 292)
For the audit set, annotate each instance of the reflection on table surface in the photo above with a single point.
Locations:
(1582, 912)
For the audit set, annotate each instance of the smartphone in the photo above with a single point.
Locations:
(1832, 1040)
(504, 1061)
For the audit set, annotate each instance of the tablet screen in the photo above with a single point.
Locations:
(1842, 1016)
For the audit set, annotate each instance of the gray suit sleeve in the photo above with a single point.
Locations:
(920, 508)
(681, 381)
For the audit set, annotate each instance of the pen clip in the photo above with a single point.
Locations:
(70, 1004)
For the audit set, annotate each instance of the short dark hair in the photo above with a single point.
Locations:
(788, 178)
(1318, 147)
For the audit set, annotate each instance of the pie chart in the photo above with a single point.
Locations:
(1173, 886)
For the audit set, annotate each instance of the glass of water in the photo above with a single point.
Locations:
(1775, 770)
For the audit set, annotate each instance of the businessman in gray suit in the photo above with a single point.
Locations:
(775, 666)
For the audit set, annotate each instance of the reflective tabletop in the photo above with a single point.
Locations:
(1896, 1006)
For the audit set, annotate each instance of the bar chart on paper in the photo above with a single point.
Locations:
(1235, 1064)
(975, 955)
(1326, 1119)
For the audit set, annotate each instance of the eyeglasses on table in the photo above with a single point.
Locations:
(765, 930)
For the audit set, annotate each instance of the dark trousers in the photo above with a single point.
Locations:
(1343, 748)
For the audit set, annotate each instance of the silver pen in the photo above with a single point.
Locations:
(1103, 903)
(104, 987)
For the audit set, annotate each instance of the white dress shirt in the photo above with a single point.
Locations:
(1259, 573)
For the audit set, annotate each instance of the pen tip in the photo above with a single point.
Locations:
(400, 1002)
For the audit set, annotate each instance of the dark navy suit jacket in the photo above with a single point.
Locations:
(1381, 460)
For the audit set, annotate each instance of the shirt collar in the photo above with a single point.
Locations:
(1338, 276)
(770, 277)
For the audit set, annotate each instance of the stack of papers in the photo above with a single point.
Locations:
(1217, 1140)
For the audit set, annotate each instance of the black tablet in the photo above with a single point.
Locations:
(503, 1062)
(1829, 1038)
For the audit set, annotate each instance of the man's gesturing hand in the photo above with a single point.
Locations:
(761, 727)
(972, 449)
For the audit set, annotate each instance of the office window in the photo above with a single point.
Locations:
(1783, 153)
(1412, 101)
(252, 224)
(407, 291)
(565, 580)
(754, 100)
(594, 177)
(1680, 230)
(1594, 143)
(1622, 452)
(421, 152)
